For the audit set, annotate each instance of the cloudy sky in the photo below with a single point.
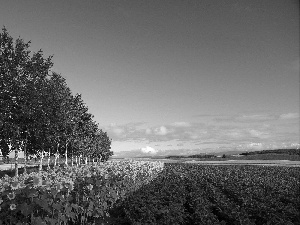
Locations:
(174, 76)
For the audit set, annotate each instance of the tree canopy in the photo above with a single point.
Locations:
(38, 109)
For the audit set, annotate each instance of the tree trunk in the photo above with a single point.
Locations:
(49, 157)
(56, 155)
(25, 157)
(66, 154)
(16, 162)
(72, 162)
(41, 161)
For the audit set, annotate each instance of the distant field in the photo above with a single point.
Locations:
(250, 162)
(227, 157)
(223, 162)
(252, 157)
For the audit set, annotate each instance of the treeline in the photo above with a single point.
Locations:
(276, 151)
(206, 156)
(38, 112)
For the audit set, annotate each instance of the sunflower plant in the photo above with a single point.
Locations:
(78, 194)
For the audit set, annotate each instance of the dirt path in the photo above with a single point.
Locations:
(11, 166)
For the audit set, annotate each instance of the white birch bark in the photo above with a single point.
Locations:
(49, 156)
(16, 162)
(56, 155)
(66, 155)
(41, 160)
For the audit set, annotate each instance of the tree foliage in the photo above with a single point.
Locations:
(38, 110)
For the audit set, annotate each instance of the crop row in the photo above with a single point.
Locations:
(204, 194)
(71, 195)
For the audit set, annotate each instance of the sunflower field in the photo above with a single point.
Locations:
(71, 195)
(141, 192)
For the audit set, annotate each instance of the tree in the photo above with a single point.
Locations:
(37, 109)
(21, 78)
(4, 148)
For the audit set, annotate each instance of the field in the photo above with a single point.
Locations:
(249, 162)
(210, 194)
(180, 193)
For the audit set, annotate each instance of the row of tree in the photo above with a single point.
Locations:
(276, 151)
(38, 111)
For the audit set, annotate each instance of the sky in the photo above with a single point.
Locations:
(174, 77)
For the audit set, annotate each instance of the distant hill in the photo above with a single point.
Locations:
(276, 151)
(210, 155)
(282, 152)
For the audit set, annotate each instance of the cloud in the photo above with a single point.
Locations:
(161, 130)
(289, 116)
(125, 132)
(180, 124)
(209, 115)
(207, 135)
(148, 149)
(235, 134)
(117, 131)
(247, 118)
(182, 131)
(240, 133)
(254, 146)
(258, 134)
(148, 131)
(242, 145)
(192, 135)
(265, 146)
(257, 117)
